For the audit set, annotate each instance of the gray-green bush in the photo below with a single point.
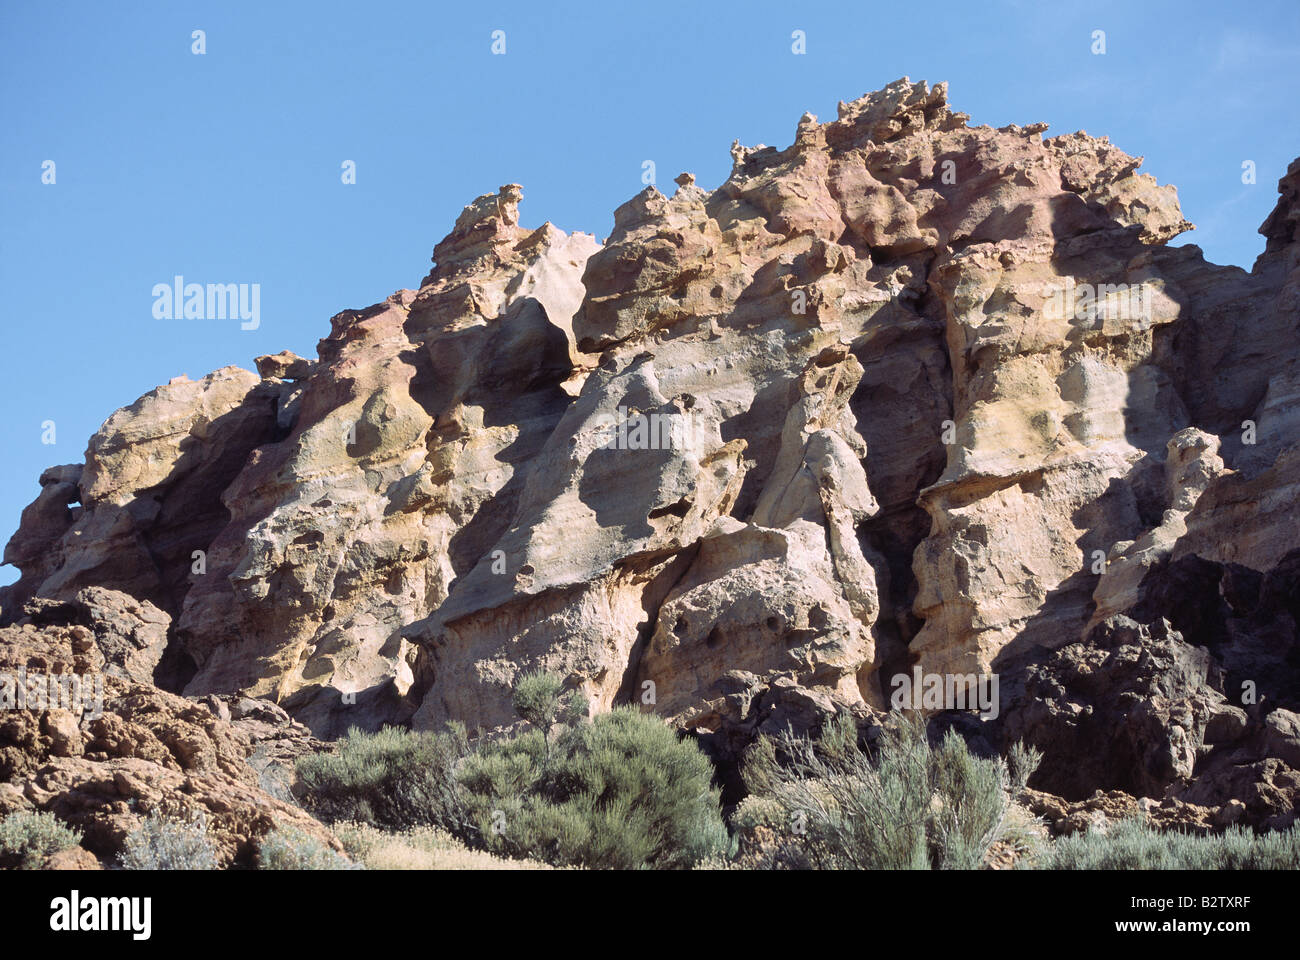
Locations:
(289, 848)
(164, 843)
(1135, 845)
(912, 807)
(621, 791)
(27, 838)
(539, 698)
(394, 778)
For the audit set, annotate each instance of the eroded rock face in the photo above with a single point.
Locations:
(909, 392)
(131, 634)
(148, 496)
(1133, 705)
(409, 439)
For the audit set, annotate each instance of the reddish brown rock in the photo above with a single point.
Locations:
(75, 858)
(104, 754)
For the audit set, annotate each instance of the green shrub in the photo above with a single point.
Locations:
(539, 698)
(162, 843)
(289, 848)
(1135, 845)
(621, 791)
(28, 838)
(970, 800)
(394, 778)
(1022, 761)
(756, 812)
(913, 806)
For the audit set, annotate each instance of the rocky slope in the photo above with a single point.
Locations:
(116, 749)
(907, 393)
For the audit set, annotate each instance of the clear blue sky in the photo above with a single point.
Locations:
(226, 167)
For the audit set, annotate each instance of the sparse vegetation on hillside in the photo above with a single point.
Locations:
(394, 778)
(623, 791)
(1135, 845)
(620, 791)
(825, 803)
(28, 838)
(164, 843)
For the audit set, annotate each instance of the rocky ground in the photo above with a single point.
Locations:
(135, 749)
(745, 461)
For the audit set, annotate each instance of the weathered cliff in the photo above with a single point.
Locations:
(909, 392)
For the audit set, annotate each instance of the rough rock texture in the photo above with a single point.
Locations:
(131, 634)
(147, 751)
(1137, 709)
(909, 392)
(1109, 806)
(74, 858)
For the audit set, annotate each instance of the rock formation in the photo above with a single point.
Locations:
(114, 749)
(909, 392)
